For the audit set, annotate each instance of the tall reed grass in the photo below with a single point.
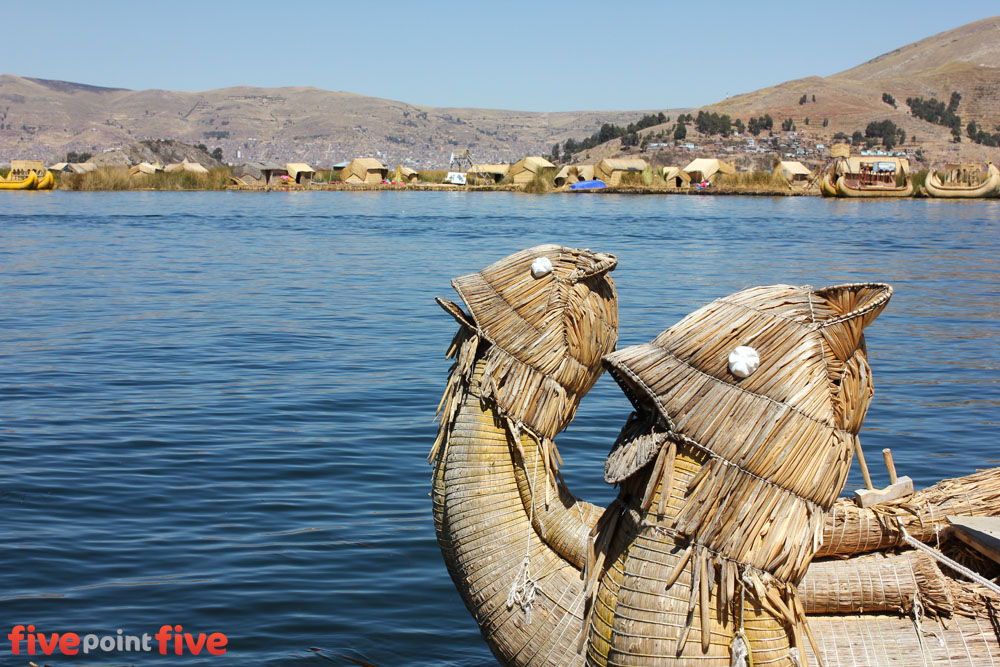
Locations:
(117, 178)
(751, 181)
(432, 175)
(543, 182)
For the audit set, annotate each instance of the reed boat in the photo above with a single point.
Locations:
(827, 185)
(989, 187)
(728, 472)
(855, 187)
(27, 183)
(46, 182)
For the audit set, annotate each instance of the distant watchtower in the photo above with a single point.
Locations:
(460, 161)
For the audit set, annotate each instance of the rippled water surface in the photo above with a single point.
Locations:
(215, 408)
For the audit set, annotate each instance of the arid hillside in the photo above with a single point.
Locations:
(46, 119)
(965, 60)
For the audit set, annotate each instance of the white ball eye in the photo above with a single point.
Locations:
(541, 267)
(743, 361)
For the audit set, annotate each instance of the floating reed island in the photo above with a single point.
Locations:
(728, 543)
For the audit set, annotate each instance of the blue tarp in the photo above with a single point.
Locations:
(588, 185)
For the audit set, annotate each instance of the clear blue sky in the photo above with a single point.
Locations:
(544, 56)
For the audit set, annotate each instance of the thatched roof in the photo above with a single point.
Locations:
(490, 169)
(676, 172)
(533, 164)
(184, 165)
(81, 167)
(296, 168)
(608, 165)
(793, 168)
(574, 173)
(144, 168)
(59, 166)
(708, 167)
(361, 166)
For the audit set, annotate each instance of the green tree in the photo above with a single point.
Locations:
(217, 153)
(807, 120)
(555, 152)
(826, 122)
(680, 132)
(857, 138)
(803, 99)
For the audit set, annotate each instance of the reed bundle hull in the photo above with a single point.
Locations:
(827, 186)
(46, 182)
(29, 182)
(988, 188)
(846, 188)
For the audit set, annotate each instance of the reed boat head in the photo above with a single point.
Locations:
(548, 314)
(780, 367)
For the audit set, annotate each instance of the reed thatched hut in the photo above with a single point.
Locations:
(80, 167)
(364, 170)
(704, 169)
(300, 172)
(144, 169)
(676, 178)
(406, 175)
(184, 165)
(524, 170)
(611, 170)
(490, 173)
(794, 171)
(574, 173)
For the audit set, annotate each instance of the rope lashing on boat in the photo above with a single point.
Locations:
(941, 558)
(793, 657)
(523, 588)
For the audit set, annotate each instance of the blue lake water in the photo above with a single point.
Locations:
(215, 408)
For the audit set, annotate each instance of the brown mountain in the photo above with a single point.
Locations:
(46, 119)
(965, 60)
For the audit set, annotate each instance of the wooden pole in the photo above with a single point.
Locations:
(887, 457)
(864, 466)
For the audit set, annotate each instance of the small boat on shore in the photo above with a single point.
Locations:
(958, 185)
(29, 182)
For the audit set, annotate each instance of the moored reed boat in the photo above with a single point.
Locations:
(955, 189)
(857, 187)
(46, 182)
(709, 530)
(29, 182)
(827, 185)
